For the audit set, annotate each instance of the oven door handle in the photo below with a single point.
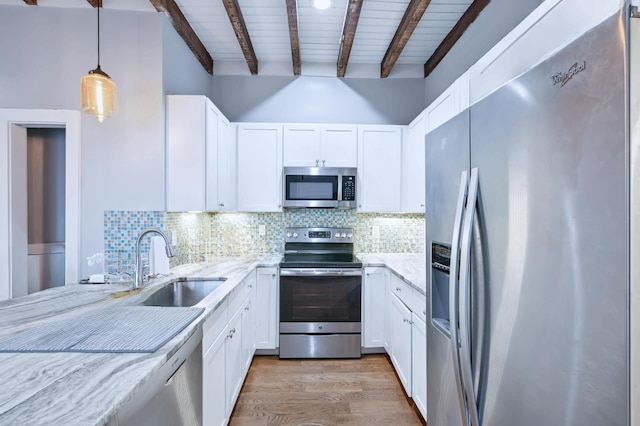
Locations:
(310, 272)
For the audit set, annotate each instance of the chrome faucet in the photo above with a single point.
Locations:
(137, 281)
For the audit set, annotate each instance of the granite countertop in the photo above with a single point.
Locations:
(410, 267)
(73, 388)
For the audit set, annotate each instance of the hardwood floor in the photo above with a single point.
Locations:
(323, 393)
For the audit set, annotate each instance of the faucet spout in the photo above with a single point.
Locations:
(138, 278)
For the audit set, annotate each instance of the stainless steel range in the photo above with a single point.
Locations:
(320, 294)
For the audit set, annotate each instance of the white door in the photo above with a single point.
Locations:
(14, 121)
(19, 211)
(374, 295)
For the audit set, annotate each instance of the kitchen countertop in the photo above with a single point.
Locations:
(410, 267)
(71, 388)
(74, 388)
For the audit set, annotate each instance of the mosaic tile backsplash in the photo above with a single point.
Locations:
(206, 235)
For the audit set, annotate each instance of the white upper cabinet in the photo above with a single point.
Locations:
(448, 104)
(186, 130)
(223, 183)
(314, 145)
(259, 152)
(413, 161)
(196, 168)
(379, 168)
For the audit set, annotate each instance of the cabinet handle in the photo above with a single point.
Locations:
(221, 204)
(368, 274)
(421, 204)
(322, 163)
(273, 275)
(317, 163)
(398, 289)
(247, 308)
(250, 286)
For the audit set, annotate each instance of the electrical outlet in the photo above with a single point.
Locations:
(375, 232)
(262, 230)
(174, 238)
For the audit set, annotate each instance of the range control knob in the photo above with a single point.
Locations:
(349, 235)
(344, 235)
(288, 234)
(295, 235)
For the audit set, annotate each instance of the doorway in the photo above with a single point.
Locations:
(42, 247)
(45, 166)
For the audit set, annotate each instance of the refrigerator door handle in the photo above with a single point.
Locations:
(465, 300)
(454, 294)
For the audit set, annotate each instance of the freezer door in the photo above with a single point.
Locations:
(551, 153)
(447, 156)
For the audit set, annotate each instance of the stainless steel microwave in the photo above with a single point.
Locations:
(320, 187)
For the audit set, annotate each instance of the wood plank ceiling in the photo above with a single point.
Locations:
(385, 33)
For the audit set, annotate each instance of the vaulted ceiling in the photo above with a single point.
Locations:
(384, 33)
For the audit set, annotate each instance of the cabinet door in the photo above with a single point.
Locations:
(186, 133)
(259, 167)
(301, 145)
(213, 118)
(419, 364)
(401, 346)
(248, 335)
(339, 146)
(267, 308)
(226, 181)
(214, 412)
(373, 306)
(379, 168)
(413, 189)
(388, 310)
(234, 362)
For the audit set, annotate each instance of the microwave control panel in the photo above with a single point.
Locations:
(348, 188)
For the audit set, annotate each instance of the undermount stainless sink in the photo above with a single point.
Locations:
(183, 292)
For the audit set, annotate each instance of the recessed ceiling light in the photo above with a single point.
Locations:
(322, 4)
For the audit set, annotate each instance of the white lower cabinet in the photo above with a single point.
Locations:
(234, 362)
(228, 345)
(266, 309)
(373, 301)
(419, 363)
(401, 341)
(214, 411)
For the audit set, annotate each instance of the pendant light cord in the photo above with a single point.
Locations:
(99, 34)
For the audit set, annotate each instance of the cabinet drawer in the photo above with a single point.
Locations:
(240, 293)
(213, 326)
(401, 289)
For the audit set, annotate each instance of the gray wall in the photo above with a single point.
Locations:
(319, 99)
(494, 22)
(122, 159)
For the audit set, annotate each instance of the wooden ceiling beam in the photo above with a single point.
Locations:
(31, 2)
(95, 3)
(240, 28)
(182, 27)
(348, 34)
(292, 16)
(454, 35)
(410, 20)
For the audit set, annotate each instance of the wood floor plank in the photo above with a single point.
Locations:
(341, 392)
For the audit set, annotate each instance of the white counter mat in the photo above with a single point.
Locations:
(119, 329)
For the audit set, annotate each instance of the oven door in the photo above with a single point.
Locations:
(320, 300)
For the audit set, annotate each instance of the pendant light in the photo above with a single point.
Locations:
(99, 95)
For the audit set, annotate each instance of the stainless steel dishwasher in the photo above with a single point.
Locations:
(173, 396)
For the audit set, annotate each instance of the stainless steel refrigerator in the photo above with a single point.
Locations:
(527, 221)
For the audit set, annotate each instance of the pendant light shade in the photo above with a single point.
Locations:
(99, 94)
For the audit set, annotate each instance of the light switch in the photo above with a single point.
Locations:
(262, 230)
